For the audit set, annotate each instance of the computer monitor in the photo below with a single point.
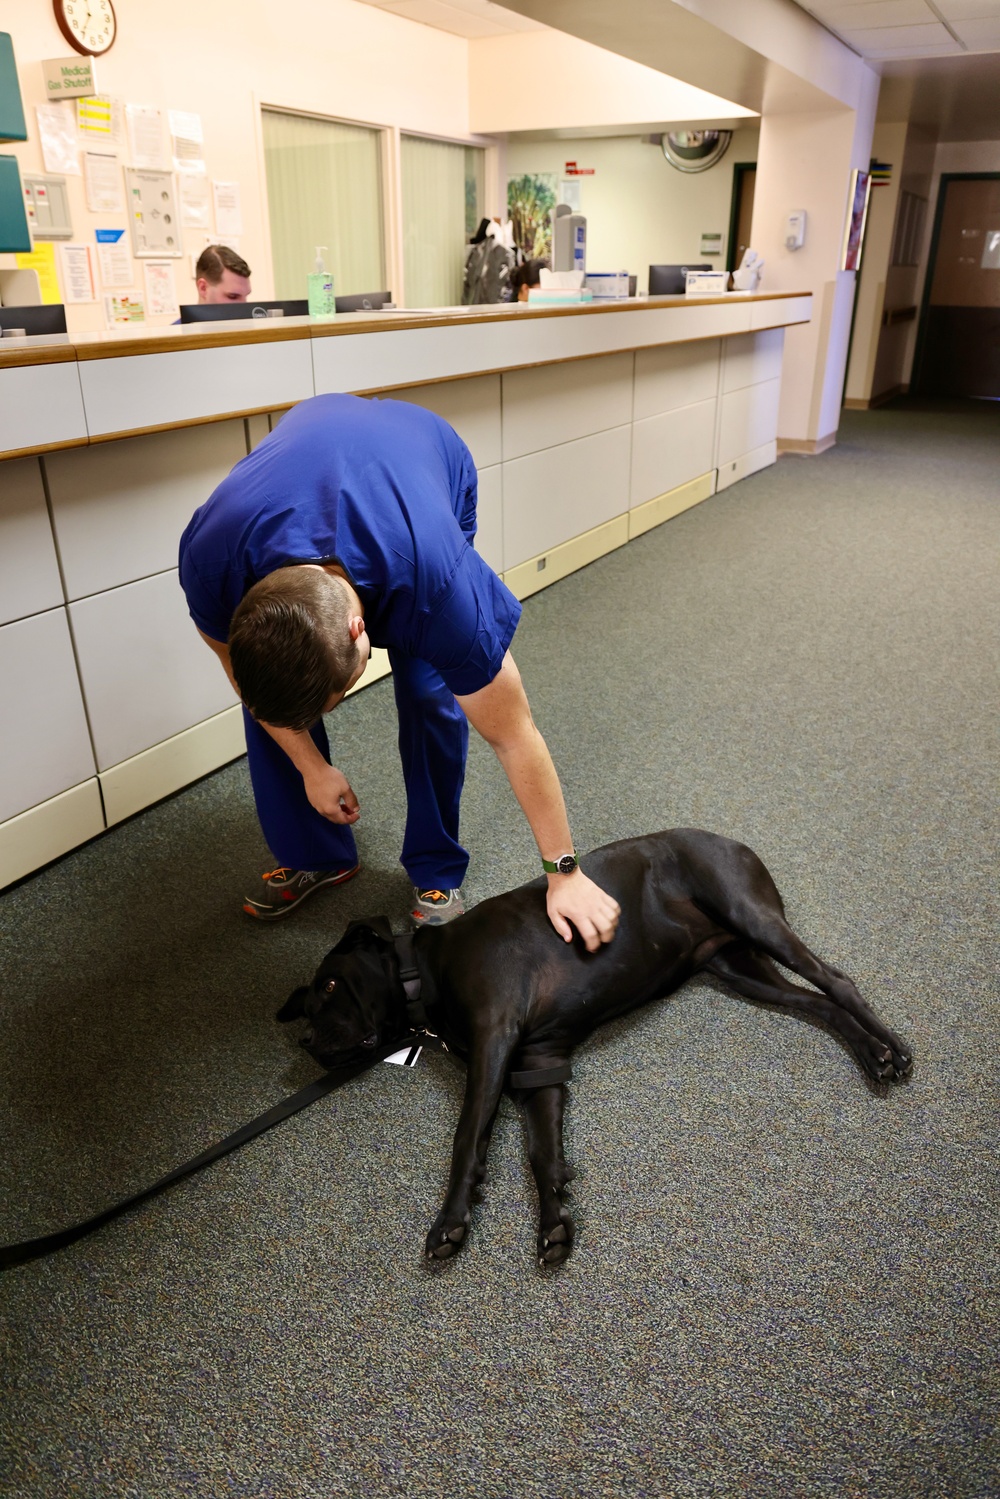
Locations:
(366, 301)
(671, 280)
(49, 318)
(227, 312)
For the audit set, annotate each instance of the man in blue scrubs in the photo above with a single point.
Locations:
(352, 525)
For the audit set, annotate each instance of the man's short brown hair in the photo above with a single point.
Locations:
(290, 646)
(215, 259)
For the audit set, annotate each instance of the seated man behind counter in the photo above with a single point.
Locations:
(352, 524)
(221, 276)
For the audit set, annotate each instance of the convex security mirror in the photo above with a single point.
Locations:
(695, 150)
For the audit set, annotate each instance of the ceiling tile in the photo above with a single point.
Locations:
(967, 10)
(880, 37)
(847, 17)
(979, 36)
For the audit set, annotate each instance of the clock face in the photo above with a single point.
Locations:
(88, 25)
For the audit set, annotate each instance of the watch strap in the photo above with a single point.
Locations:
(565, 864)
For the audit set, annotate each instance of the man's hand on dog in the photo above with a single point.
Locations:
(575, 901)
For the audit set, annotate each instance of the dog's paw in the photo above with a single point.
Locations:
(885, 1061)
(555, 1238)
(446, 1237)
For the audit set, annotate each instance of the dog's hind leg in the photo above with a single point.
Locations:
(752, 974)
(543, 1127)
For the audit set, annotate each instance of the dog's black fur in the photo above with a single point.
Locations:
(508, 994)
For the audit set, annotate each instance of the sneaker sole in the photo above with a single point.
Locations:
(275, 913)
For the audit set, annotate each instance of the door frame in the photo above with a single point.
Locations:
(925, 300)
(739, 168)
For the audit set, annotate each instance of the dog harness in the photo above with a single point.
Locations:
(417, 1019)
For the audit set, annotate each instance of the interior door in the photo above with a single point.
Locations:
(959, 350)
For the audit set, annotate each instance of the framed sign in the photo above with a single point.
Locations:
(151, 203)
(854, 232)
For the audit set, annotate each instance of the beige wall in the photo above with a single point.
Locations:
(546, 80)
(640, 210)
(330, 57)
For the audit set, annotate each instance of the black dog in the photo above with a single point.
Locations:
(513, 1000)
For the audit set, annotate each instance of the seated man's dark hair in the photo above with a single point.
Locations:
(214, 260)
(290, 646)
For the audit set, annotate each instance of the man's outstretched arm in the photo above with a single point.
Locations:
(327, 788)
(501, 714)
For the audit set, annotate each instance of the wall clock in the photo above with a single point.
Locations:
(88, 25)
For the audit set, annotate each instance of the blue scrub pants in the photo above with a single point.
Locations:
(433, 744)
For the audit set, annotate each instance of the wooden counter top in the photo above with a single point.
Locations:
(175, 338)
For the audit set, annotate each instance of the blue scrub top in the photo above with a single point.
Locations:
(387, 490)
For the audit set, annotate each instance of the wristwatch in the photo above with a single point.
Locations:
(565, 864)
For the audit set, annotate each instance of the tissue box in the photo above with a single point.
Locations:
(706, 283)
(608, 283)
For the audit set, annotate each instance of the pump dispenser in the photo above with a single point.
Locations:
(320, 288)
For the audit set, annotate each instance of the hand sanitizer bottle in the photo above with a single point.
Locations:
(320, 288)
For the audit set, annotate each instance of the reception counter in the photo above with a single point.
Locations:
(588, 426)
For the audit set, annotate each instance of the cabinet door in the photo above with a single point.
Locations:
(557, 404)
(146, 673)
(44, 743)
(119, 507)
(472, 407)
(29, 572)
(551, 496)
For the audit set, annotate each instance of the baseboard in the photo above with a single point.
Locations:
(48, 831)
(166, 767)
(806, 447)
(665, 506)
(548, 567)
(852, 403)
(745, 465)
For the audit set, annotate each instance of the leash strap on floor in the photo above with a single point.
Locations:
(34, 1249)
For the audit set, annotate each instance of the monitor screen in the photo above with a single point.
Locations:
(225, 312)
(671, 280)
(365, 301)
(50, 318)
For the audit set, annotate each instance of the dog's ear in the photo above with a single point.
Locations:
(360, 932)
(293, 1008)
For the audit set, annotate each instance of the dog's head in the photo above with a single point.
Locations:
(354, 1003)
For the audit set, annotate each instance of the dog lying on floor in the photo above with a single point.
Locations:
(512, 999)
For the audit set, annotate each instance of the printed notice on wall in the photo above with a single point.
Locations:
(102, 176)
(42, 260)
(196, 201)
(77, 273)
(113, 259)
(122, 308)
(161, 299)
(145, 134)
(57, 132)
(100, 121)
(228, 214)
(187, 140)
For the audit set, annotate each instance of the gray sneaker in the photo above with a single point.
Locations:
(287, 888)
(435, 907)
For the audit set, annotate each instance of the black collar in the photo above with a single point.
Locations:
(409, 973)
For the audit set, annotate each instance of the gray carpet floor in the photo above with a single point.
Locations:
(785, 1280)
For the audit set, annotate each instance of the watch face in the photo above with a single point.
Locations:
(88, 25)
(566, 864)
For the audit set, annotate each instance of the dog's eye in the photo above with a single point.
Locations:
(331, 986)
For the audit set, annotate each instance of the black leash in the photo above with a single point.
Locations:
(416, 1013)
(34, 1249)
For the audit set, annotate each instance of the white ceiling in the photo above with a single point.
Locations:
(883, 30)
(469, 18)
(939, 59)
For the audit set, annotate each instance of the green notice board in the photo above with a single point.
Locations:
(14, 233)
(12, 127)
